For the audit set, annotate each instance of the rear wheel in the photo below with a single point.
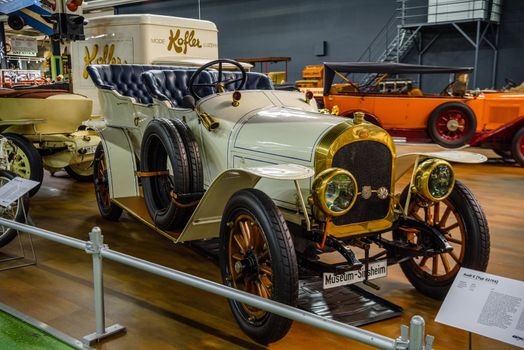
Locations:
(517, 147)
(452, 125)
(107, 209)
(165, 156)
(258, 257)
(461, 219)
(15, 211)
(26, 161)
(82, 172)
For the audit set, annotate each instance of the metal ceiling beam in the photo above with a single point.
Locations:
(103, 4)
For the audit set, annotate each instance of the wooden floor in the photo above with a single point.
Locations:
(160, 314)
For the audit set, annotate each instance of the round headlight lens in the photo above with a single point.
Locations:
(440, 181)
(434, 179)
(334, 191)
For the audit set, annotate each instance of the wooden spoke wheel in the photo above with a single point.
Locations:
(258, 257)
(107, 209)
(444, 216)
(452, 124)
(461, 219)
(15, 211)
(250, 262)
(26, 162)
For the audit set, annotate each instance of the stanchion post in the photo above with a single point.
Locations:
(416, 333)
(94, 246)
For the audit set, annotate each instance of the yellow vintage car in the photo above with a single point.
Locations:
(45, 127)
(14, 211)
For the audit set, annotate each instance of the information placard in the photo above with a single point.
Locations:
(15, 189)
(486, 304)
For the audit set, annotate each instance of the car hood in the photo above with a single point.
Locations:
(281, 134)
(503, 95)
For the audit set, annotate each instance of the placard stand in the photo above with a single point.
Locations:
(7, 261)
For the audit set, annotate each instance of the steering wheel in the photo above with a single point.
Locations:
(510, 82)
(219, 84)
(445, 91)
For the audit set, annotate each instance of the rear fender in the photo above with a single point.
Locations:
(205, 221)
(121, 163)
(6, 124)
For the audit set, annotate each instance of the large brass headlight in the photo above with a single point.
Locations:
(434, 179)
(334, 191)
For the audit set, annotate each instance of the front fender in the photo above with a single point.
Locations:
(8, 123)
(205, 221)
(406, 161)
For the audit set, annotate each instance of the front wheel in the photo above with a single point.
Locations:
(15, 211)
(461, 219)
(258, 257)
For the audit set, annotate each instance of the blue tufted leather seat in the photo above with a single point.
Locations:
(123, 78)
(172, 85)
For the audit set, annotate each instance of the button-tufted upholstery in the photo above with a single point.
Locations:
(167, 83)
(123, 78)
(172, 85)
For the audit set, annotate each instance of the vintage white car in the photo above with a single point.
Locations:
(203, 153)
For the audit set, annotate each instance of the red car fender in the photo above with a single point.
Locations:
(505, 132)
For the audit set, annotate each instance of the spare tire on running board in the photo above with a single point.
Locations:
(169, 145)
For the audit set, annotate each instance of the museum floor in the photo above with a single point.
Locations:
(160, 314)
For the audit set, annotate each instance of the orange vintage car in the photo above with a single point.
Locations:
(452, 118)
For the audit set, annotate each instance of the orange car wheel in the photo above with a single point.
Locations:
(452, 124)
(517, 147)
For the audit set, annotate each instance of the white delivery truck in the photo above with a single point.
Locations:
(141, 39)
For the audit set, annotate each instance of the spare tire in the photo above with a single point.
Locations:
(163, 148)
(193, 156)
(452, 124)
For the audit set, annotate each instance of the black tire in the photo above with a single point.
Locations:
(444, 136)
(108, 210)
(505, 154)
(161, 144)
(75, 173)
(14, 212)
(193, 155)
(517, 147)
(475, 249)
(32, 171)
(255, 204)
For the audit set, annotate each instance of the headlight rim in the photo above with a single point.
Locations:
(423, 173)
(319, 189)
